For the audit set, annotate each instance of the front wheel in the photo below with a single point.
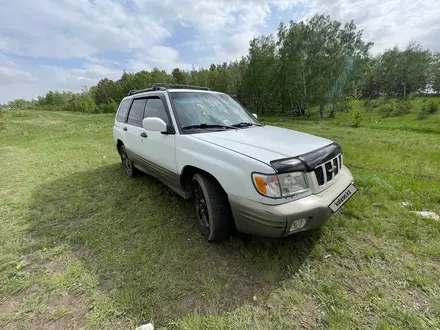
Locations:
(212, 208)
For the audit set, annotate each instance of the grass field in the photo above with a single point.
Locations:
(83, 246)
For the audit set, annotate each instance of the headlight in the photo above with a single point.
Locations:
(281, 185)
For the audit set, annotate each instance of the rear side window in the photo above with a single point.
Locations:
(156, 108)
(136, 113)
(122, 111)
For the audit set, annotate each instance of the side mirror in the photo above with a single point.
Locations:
(255, 115)
(154, 124)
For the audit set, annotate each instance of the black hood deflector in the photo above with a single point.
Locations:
(307, 162)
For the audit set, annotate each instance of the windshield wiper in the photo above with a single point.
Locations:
(243, 124)
(202, 126)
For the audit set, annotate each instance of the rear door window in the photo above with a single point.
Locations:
(122, 111)
(136, 114)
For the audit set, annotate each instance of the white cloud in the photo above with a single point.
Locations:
(161, 57)
(74, 28)
(388, 23)
(88, 75)
(13, 78)
(18, 83)
(84, 35)
(9, 75)
(224, 27)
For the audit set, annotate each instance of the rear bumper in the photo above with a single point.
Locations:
(275, 220)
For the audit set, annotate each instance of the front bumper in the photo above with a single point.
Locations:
(275, 220)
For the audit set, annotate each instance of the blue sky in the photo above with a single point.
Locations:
(66, 44)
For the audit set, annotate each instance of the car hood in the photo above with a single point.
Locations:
(265, 143)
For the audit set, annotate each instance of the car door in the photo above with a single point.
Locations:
(133, 130)
(158, 148)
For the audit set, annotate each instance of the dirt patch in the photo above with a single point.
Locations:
(64, 311)
(13, 303)
(58, 311)
(415, 300)
(186, 304)
(54, 266)
(78, 252)
(305, 312)
(105, 283)
(308, 314)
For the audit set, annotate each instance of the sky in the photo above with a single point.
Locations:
(66, 44)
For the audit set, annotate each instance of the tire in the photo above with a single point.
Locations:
(211, 204)
(127, 164)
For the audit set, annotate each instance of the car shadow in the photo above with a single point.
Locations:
(142, 242)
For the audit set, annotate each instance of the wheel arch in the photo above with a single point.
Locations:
(119, 143)
(225, 225)
(188, 173)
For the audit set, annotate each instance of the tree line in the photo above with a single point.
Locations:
(309, 64)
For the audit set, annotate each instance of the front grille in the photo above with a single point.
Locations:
(328, 171)
(320, 176)
(335, 163)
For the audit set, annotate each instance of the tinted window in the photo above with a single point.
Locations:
(136, 112)
(122, 111)
(156, 108)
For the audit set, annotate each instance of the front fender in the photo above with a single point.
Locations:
(231, 169)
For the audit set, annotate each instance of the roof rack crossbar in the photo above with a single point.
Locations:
(171, 85)
(165, 86)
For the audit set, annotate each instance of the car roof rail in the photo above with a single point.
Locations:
(133, 91)
(165, 86)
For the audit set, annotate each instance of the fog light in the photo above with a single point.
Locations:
(298, 224)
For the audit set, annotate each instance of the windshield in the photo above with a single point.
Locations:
(195, 108)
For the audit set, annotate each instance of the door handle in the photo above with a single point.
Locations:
(125, 129)
(144, 135)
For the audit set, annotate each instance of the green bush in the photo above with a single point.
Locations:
(342, 106)
(369, 105)
(412, 96)
(19, 114)
(379, 102)
(385, 110)
(422, 112)
(355, 118)
(374, 103)
(432, 107)
(108, 108)
(400, 108)
(355, 114)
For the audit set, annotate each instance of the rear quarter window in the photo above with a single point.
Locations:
(123, 110)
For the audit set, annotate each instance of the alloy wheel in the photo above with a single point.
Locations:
(201, 206)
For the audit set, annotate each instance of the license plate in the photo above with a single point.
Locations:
(343, 198)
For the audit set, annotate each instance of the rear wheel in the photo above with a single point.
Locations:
(212, 208)
(127, 164)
